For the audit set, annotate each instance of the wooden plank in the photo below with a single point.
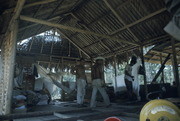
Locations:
(138, 21)
(30, 5)
(60, 26)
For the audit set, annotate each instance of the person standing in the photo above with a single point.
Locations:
(129, 78)
(79, 71)
(98, 82)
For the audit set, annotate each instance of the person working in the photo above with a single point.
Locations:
(79, 71)
(128, 78)
(98, 82)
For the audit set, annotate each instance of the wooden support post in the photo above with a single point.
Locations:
(115, 73)
(80, 54)
(62, 91)
(161, 68)
(162, 76)
(175, 66)
(30, 45)
(69, 53)
(8, 56)
(52, 47)
(42, 47)
(143, 65)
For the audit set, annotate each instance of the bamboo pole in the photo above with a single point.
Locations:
(115, 73)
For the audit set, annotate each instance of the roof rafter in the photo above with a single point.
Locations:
(87, 27)
(120, 19)
(60, 26)
(109, 11)
(73, 43)
(138, 21)
(121, 50)
(49, 16)
(31, 5)
(32, 25)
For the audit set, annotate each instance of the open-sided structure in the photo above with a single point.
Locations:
(113, 29)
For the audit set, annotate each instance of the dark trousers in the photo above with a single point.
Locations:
(129, 89)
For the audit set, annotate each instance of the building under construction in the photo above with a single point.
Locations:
(44, 42)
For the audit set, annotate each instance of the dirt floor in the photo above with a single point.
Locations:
(69, 111)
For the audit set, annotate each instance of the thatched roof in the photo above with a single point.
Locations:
(109, 27)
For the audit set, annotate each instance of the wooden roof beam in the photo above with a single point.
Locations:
(40, 54)
(119, 51)
(120, 19)
(60, 26)
(154, 40)
(30, 5)
(138, 21)
(32, 25)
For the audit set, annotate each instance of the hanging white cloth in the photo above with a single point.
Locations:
(54, 78)
(135, 83)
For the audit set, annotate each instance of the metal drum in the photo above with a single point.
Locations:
(160, 110)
